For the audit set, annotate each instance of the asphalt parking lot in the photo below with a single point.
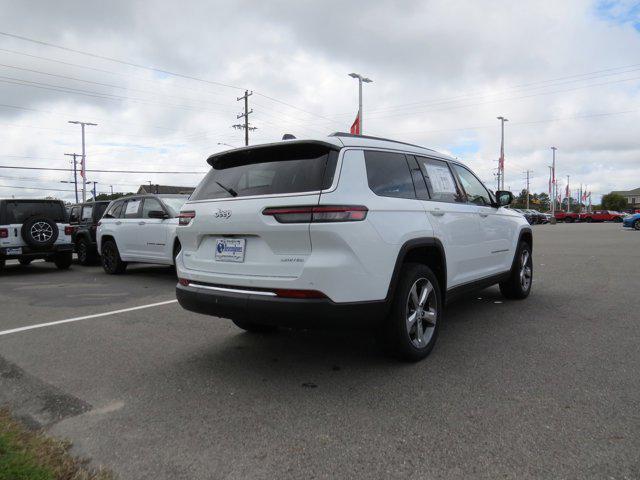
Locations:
(548, 387)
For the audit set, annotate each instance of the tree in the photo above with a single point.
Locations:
(110, 196)
(613, 201)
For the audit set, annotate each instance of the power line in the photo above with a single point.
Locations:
(123, 62)
(159, 70)
(103, 171)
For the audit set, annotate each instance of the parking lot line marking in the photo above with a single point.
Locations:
(85, 317)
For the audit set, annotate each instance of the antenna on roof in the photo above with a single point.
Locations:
(288, 136)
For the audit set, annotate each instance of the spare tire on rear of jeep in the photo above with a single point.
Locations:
(39, 232)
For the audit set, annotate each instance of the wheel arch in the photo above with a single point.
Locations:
(425, 250)
(105, 238)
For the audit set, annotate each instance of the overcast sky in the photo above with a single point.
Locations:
(565, 73)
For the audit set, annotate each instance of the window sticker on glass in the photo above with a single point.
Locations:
(441, 179)
(132, 207)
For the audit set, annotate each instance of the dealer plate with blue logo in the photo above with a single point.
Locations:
(13, 251)
(230, 249)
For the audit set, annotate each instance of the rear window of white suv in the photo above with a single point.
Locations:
(19, 210)
(270, 170)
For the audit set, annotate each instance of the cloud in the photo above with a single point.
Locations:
(442, 71)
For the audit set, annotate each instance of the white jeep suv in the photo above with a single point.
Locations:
(348, 230)
(140, 228)
(35, 228)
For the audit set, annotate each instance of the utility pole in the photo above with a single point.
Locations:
(527, 173)
(111, 187)
(568, 196)
(501, 160)
(75, 174)
(83, 166)
(553, 181)
(245, 115)
(361, 79)
(550, 186)
(94, 190)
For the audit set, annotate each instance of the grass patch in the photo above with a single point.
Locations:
(29, 455)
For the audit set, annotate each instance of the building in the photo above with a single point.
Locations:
(632, 196)
(165, 189)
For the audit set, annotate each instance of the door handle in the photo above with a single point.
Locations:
(484, 215)
(437, 212)
(142, 223)
(118, 223)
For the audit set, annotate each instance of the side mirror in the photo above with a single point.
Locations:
(504, 198)
(158, 214)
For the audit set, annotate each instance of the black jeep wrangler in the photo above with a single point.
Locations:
(84, 219)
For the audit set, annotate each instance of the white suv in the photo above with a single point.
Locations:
(140, 228)
(32, 229)
(348, 230)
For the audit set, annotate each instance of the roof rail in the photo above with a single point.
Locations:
(344, 134)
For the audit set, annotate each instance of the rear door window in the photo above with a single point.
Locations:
(440, 181)
(388, 174)
(272, 170)
(132, 208)
(19, 211)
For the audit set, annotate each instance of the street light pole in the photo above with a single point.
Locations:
(554, 187)
(361, 79)
(84, 158)
(501, 160)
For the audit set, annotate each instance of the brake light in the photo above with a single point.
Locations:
(184, 218)
(4, 233)
(318, 214)
(68, 230)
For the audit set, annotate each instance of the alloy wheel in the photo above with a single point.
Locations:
(422, 313)
(525, 270)
(41, 231)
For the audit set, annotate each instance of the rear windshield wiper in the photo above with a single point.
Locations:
(229, 190)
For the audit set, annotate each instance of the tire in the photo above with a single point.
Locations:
(86, 255)
(63, 260)
(254, 327)
(1, 264)
(589, 220)
(617, 219)
(39, 232)
(418, 297)
(636, 225)
(111, 261)
(518, 286)
(25, 261)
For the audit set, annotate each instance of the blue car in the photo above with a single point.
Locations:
(632, 221)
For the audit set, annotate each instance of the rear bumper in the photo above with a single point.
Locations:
(28, 252)
(285, 312)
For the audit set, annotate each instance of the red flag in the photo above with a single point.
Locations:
(82, 170)
(355, 128)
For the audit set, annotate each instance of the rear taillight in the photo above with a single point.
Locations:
(184, 218)
(318, 214)
(4, 233)
(184, 282)
(68, 230)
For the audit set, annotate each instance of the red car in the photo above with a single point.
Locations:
(601, 216)
(567, 217)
